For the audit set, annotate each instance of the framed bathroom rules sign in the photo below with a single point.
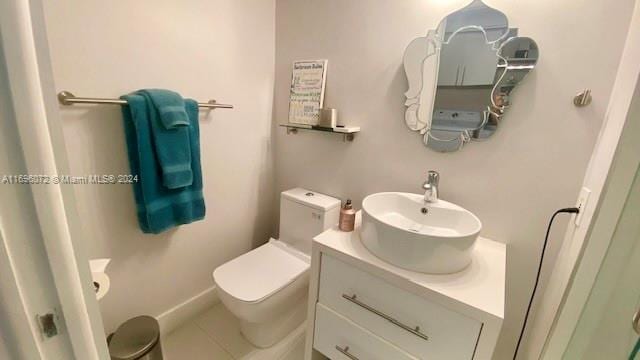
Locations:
(307, 91)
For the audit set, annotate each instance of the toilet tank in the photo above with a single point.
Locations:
(305, 214)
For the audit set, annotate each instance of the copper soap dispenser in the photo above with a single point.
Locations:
(347, 217)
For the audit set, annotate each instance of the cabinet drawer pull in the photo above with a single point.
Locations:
(345, 352)
(415, 331)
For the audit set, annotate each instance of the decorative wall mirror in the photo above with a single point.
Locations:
(461, 75)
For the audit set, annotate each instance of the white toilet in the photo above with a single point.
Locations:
(266, 288)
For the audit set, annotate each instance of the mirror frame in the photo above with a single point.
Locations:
(421, 68)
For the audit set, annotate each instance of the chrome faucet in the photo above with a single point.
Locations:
(431, 187)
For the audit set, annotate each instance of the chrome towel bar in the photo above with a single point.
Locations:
(67, 98)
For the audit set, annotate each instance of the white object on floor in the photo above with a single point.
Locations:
(267, 287)
(267, 290)
(260, 273)
(101, 280)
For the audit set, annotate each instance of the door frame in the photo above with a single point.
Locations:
(584, 246)
(22, 331)
(37, 116)
(619, 183)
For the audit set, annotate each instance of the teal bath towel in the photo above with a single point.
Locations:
(158, 206)
(170, 130)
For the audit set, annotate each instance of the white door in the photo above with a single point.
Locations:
(43, 270)
(27, 287)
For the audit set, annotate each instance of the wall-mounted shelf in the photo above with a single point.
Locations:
(347, 132)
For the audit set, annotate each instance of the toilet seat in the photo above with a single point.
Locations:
(262, 272)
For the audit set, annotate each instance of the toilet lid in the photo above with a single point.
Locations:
(259, 273)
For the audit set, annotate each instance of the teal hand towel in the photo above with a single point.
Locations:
(159, 207)
(170, 107)
(170, 131)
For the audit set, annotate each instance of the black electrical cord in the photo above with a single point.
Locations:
(573, 210)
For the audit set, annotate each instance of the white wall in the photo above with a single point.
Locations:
(533, 165)
(204, 50)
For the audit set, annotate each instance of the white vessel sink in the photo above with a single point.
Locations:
(397, 228)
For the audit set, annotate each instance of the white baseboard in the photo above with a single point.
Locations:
(181, 313)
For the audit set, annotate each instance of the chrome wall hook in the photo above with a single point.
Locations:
(583, 98)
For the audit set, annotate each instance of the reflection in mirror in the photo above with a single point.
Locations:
(461, 75)
(475, 17)
(518, 56)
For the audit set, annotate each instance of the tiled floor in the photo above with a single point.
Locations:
(215, 335)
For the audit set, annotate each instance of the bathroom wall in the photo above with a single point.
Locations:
(533, 165)
(204, 50)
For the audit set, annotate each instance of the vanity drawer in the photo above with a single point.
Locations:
(338, 338)
(414, 324)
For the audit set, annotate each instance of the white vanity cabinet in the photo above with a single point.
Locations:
(361, 307)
